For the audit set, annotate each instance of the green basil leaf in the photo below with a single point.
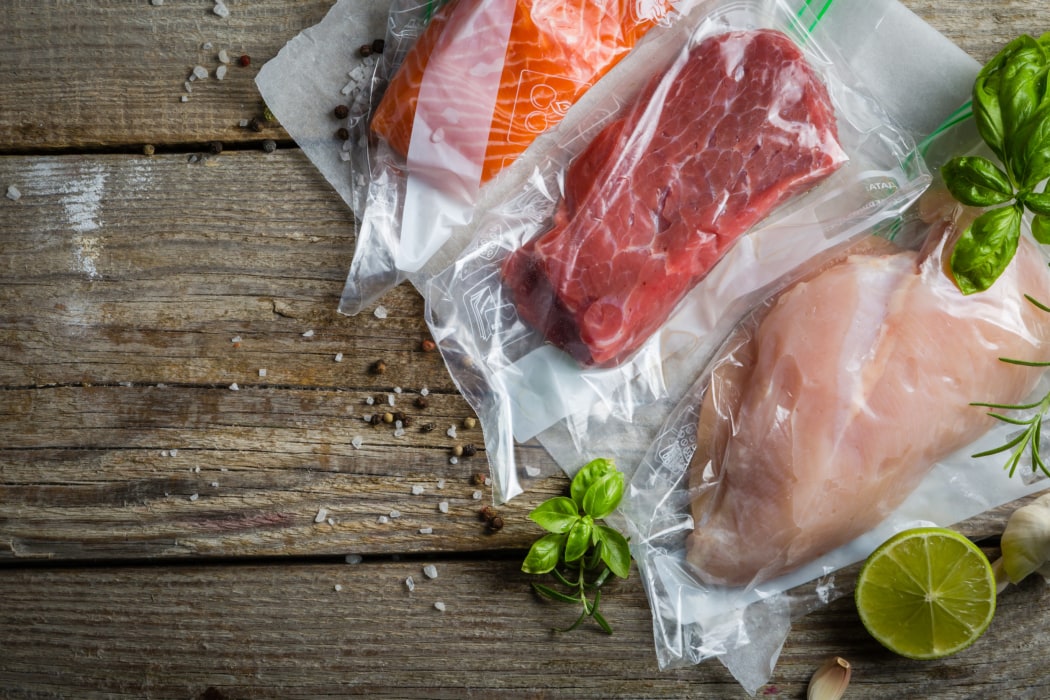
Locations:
(977, 181)
(604, 495)
(615, 551)
(986, 248)
(1021, 85)
(556, 514)
(986, 110)
(587, 475)
(578, 540)
(1038, 202)
(1041, 228)
(544, 554)
(1030, 149)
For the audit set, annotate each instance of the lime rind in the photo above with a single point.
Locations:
(926, 593)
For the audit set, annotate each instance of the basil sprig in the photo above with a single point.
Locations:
(579, 551)
(1011, 106)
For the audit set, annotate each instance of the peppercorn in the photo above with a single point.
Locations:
(470, 422)
(365, 50)
(215, 147)
(428, 345)
(148, 149)
(487, 513)
(255, 124)
(478, 479)
(378, 45)
(496, 523)
(378, 367)
(426, 427)
(421, 402)
(342, 133)
(469, 450)
(269, 146)
(376, 419)
(388, 417)
(342, 111)
(457, 450)
(245, 60)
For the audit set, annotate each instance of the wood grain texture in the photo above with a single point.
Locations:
(260, 630)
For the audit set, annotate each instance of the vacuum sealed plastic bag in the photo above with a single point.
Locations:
(640, 202)
(804, 444)
(463, 88)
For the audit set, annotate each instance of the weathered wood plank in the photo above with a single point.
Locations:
(110, 74)
(261, 631)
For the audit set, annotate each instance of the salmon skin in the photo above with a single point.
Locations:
(555, 52)
(736, 127)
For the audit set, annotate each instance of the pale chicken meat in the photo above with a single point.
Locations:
(826, 410)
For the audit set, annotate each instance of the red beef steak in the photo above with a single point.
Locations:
(737, 126)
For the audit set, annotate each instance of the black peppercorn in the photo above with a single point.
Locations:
(378, 367)
(378, 45)
(342, 111)
(469, 451)
(342, 133)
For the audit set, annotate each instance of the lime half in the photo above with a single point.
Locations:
(926, 593)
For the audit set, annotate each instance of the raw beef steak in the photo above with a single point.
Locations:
(737, 126)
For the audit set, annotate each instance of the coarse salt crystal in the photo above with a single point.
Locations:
(370, 401)
(430, 570)
(451, 432)
(187, 86)
(173, 453)
(476, 495)
(367, 418)
(206, 46)
(382, 520)
(234, 387)
(400, 432)
(235, 339)
(443, 506)
(200, 72)
(322, 513)
(220, 72)
(221, 10)
(397, 390)
(354, 559)
(194, 497)
(243, 123)
(156, 3)
(262, 371)
(308, 334)
(395, 513)
(196, 470)
(410, 584)
(223, 56)
(441, 483)
(426, 531)
(357, 442)
(331, 521)
(339, 357)
(338, 588)
(438, 605)
(390, 399)
(417, 490)
(380, 311)
(164, 453)
(215, 484)
(184, 98)
(532, 471)
(424, 391)
(453, 460)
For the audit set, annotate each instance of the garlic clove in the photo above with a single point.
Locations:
(830, 680)
(1026, 540)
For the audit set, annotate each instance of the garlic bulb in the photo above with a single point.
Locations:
(1026, 540)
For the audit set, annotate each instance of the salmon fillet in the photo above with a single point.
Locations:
(825, 414)
(555, 52)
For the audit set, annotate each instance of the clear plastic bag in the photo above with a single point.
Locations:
(462, 89)
(524, 387)
(804, 446)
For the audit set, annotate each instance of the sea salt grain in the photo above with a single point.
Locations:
(308, 334)
(354, 559)
(221, 10)
(390, 399)
(426, 531)
(223, 56)
(417, 490)
(234, 387)
(382, 520)
(395, 513)
(338, 588)
(453, 460)
(262, 371)
(451, 432)
(357, 442)
(430, 570)
(476, 495)
(441, 483)
(173, 453)
(339, 357)
(220, 72)
(200, 72)
(439, 606)
(380, 312)
(235, 339)
(194, 497)
(322, 513)
(443, 506)
(400, 432)
(410, 584)
(532, 471)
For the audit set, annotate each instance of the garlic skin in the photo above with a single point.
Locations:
(1026, 540)
(829, 682)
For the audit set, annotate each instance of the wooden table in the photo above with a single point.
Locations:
(179, 486)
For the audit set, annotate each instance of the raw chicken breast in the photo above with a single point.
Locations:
(824, 417)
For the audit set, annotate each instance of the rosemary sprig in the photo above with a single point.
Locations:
(1030, 438)
(579, 551)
